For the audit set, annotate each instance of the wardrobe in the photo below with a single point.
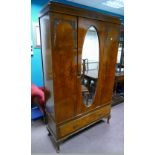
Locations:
(76, 99)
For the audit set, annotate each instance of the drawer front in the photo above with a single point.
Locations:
(76, 124)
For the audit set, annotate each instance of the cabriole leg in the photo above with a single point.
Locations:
(57, 147)
(108, 119)
(55, 143)
(49, 134)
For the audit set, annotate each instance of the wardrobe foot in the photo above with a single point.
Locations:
(108, 119)
(57, 148)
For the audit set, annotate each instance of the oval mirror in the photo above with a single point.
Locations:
(89, 66)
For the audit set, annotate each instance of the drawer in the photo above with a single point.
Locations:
(83, 121)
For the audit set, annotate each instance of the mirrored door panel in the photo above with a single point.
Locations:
(90, 63)
(89, 66)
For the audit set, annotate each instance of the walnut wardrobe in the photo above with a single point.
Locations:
(63, 29)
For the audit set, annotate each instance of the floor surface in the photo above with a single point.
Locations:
(99, 138)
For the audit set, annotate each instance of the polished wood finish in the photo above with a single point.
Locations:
(111, 49)
(63, 29)
(64, 53)
(108, 38)
(76, 124)
(58, 7)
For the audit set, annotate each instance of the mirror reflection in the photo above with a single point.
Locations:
(89, 66)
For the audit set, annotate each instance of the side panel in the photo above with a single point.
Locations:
(64, 41)
(47, 61)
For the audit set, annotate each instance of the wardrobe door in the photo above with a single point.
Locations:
(90, 81)
(111, 49)
(64, 41)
